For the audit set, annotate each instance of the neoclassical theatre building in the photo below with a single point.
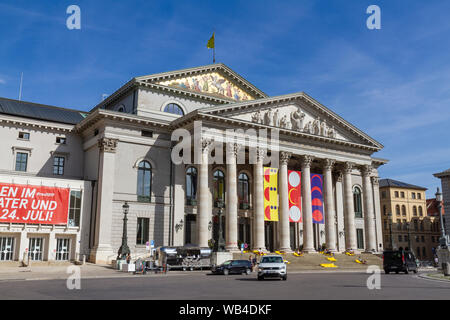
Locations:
(66, 174)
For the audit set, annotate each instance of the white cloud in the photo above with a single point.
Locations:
(2, 81)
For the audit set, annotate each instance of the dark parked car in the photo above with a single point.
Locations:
(233, 266)
(399, 261)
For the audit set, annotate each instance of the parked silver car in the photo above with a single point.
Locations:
(272, 266)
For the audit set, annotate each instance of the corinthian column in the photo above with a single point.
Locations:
(308, 233)
(203, 215)
(285, 240)
(258, 208)
(231, 201)
(369, 221)
(349, 211)
(330, 212)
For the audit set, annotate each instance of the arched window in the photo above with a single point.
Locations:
(420, 211)
(243, 191)
(404, 210)
(397, 210)
(357, 202)
(415, 211)
(121, 108)
(174, 109)
(191, 186)
(219, 187)
(144, 184)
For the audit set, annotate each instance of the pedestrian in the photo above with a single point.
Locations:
(128, 258)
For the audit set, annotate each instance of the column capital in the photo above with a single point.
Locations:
(347, 167)
(306, 161)
(328, 164)
(338, 176)
(261, 153)
(108, 145)
(233, 148)
(206, 144)
(366, 170)
(375, 180)
(284, 157)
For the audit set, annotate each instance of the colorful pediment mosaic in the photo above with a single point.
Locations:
(210, 83)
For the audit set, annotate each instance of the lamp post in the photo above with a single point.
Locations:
(124, 250)
(219, 245)
(443, 240)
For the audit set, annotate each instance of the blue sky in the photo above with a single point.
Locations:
(392, 83)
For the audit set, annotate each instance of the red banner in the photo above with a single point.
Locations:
(33, 204)
(295, 196)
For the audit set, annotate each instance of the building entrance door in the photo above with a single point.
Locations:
(36, 246)
(6, 248)
(190, 229)
(62, 249)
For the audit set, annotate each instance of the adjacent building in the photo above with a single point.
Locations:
(445, 183)
(406, 221)
(88, 164)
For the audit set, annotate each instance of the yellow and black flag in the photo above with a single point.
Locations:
(212, 45)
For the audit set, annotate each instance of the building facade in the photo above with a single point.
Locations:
(126, 150)
(406, 221)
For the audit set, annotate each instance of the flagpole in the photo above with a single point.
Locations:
(214, 49)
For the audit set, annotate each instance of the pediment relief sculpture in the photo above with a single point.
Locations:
(295, 121)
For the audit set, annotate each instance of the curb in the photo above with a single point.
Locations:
(426, 277)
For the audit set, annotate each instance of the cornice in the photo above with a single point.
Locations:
(36, 124)
(125, 118)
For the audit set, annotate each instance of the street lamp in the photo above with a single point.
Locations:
(124, 250)
(408, 225)
(443, 240)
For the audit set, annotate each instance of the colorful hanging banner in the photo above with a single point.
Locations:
(317, 198)
(270, 194)
(295, 196)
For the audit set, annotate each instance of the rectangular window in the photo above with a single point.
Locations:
(61, 140)
(419, 196)
(360, 238)
(21, 161)
(413, 195)
(62, 249)
(383, 195)
(402, 194)
(24, 136)
(75, 208)
(400, 238)
(6, 248)
(58, 165)
(142, 235)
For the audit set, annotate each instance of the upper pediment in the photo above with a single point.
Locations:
(298, 113)
(214, 80)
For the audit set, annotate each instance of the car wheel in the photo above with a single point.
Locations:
(184, 268)
(285, 278)
(260, 278)
(191, 269)
(406, 270)
(226, 272)
(248, 271)
(386, 271)
(396, 272)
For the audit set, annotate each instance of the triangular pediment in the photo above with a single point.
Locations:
(215, 80)
(297, 113)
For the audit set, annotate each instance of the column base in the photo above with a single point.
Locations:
(102, 255)
(287, 250)
(262, 249)
(309, 250)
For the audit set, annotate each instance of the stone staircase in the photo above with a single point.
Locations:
(314, 260)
